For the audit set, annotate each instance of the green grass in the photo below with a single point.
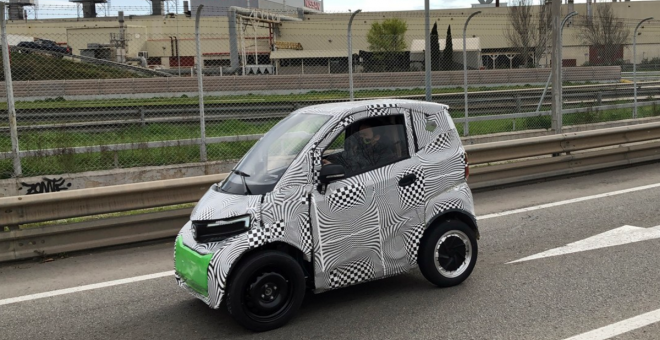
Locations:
(232, 151)
(40, 67)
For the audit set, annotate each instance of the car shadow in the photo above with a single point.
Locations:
(353, 302)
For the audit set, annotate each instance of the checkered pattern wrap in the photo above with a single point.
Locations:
(379, 109)
(351, 273)
(414, 194)
(306, 241)
(347, 197)
(316, 164)
(257, 236)
(344, 123)
(277, 230)
(413, 237)
(450, 204)
(443, 141)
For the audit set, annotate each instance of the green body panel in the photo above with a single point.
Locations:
(192, 267)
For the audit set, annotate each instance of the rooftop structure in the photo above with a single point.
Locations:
(17, 8)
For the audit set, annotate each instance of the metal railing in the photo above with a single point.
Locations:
(492, 164)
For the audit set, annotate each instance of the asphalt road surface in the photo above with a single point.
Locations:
(600, 286)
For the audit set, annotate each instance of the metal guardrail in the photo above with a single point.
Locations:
(481, 102)
(529, 158)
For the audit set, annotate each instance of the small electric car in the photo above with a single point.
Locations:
(332, 196)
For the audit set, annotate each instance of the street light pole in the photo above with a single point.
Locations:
(547, 83)
(200, 85)
(350, 53)
(427, 50)
(466, 126)
(635, 65)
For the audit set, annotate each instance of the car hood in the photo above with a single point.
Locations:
(215, 205)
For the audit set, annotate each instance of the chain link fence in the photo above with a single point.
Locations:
(108, 94)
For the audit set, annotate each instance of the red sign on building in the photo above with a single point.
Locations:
(313, 4)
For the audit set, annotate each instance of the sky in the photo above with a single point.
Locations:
(53, 8)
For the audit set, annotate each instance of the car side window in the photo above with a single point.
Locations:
(369, 144)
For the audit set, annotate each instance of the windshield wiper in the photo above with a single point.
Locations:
(243, 176)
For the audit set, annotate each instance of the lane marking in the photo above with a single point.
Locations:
(620, 327)
(574, 200)
(168, 273)
(615, 237)
(84, 288)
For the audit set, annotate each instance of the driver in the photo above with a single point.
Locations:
(366, 150)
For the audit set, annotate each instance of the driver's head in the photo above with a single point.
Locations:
(367, 134)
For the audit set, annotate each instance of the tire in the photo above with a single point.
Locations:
(457, 244)
(265, 291)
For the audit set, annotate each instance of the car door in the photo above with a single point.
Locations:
(368, 224)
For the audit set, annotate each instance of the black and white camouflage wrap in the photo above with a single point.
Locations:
(361, 228)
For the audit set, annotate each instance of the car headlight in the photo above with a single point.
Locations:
(218, 230)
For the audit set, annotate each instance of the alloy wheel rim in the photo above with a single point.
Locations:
(453, 253)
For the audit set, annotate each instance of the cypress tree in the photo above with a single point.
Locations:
(448, 53)
(435, 48)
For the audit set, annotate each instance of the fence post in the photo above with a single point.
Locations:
(9, 88)
(466, 125)
(427, 52)
(350, 54)
(635, 65)
(200, 84)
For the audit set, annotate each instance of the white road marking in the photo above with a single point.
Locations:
(620, 327)
(615, 237)
(574, 200)
(84, 288)
(165, 274)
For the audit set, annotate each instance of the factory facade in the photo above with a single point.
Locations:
(308, 40)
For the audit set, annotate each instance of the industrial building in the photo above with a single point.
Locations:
(298, 40)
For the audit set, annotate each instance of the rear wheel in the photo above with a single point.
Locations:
(448, 253)
(266, 291)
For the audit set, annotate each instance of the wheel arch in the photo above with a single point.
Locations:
(284, 247)
(454, 214)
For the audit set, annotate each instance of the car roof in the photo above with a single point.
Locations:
(350, 107)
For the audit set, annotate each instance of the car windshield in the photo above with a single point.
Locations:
(266, 162)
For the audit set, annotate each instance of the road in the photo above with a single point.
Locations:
(555, 297)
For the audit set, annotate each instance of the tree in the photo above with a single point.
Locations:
(388, 36)
(435, 48)
(528, 32)
(448, 52)
(606, 33)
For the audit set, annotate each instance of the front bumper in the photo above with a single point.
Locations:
(191, 270)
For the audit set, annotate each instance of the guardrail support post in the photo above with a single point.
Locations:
(635, 65)
(9, 87)
(466, 125)
(200, 84)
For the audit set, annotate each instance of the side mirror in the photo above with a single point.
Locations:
(331, 172)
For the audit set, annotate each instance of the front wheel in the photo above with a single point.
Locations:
(266, 291)
(448, 253)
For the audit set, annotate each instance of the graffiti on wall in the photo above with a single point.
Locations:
(46, 185)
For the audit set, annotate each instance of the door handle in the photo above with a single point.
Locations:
(407, 180)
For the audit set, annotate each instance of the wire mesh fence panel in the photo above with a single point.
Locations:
(108, 93)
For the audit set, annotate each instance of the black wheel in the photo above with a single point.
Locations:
(265, 291)
(448, 253)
